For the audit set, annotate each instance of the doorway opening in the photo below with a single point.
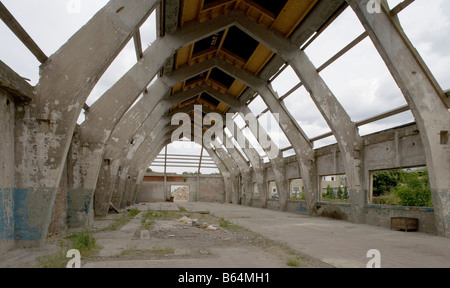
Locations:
(180, 193)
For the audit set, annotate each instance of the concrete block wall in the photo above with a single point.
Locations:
(211, 188)
(7, 112)
(391, 149)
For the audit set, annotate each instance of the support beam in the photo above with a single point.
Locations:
(23, 36)
(428, 102)
(67, 79)
(343, 128)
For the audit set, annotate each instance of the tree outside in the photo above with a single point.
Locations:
(402, 187)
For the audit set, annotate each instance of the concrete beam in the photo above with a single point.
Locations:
(428, 103)
(17, 29)
(15, 85)
(343, 128)
(67, 78)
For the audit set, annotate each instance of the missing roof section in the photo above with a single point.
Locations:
(273, 6)
(195, 79)
(239, 43)
(221, 77)
(210, 99)
(209, 43)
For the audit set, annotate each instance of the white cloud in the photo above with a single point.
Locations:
(360, 79)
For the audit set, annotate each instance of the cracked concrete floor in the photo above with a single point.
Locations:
(173, 244)
(168, 243)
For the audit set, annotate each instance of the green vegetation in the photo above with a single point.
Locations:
(297, 198)
(122, 220)
(292, 262)
(156, 250)
(85, 243)
(341, 195)
(82, 241)
(402, 187)
(230, 226)
(163, 250)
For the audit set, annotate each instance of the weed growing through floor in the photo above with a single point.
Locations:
(230, 226)
(292, 262)
(85, 243)
(163, 250)
(182, 209)
(122, 220)
(82, 241)
(150, 217)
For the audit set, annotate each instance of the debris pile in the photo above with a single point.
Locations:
(196, 223)
(181, 193)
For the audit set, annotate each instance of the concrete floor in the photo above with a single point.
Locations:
(339, 243)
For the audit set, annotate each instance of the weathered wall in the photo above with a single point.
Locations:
(391, 149)
(58, 223)
(211, 189)
(151, 192)
(380, 216)
(7, 112)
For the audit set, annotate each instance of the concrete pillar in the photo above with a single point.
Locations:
(67, 78)
(224, 171)
(343, 128)
(234, 174)
(100, 121)
(7, 112)
(425, 97)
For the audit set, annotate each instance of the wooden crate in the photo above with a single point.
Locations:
(404, 223)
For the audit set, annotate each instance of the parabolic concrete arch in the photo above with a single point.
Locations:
(197, 59)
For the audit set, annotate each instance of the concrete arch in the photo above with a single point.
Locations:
(67, 78)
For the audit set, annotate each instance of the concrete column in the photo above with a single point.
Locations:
(7, 112)
(244, 168)
(235, 163)
(100, 121)
(343, 128)
(256, 161)
(224, 171)
(234, 174)
(425, 97)
(67, 78)
(276, 158)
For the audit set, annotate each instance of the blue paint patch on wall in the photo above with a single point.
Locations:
(6, 214)
(22, 228)
(302, 207)
(78, 201)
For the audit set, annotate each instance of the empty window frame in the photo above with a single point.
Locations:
(333, 188)
(401, 187)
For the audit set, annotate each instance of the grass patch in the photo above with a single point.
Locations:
(182, 209)
(230, 226)
(122, 220)
(150, 217)
(82, 241)
(293, 262)
(163, 250)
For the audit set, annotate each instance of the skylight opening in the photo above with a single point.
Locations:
(285, 81)
(305, 112)
(339, 34)
(362, 83)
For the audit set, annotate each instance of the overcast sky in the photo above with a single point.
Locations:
(360, 79)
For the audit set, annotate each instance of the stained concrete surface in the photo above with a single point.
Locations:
(332, 243)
